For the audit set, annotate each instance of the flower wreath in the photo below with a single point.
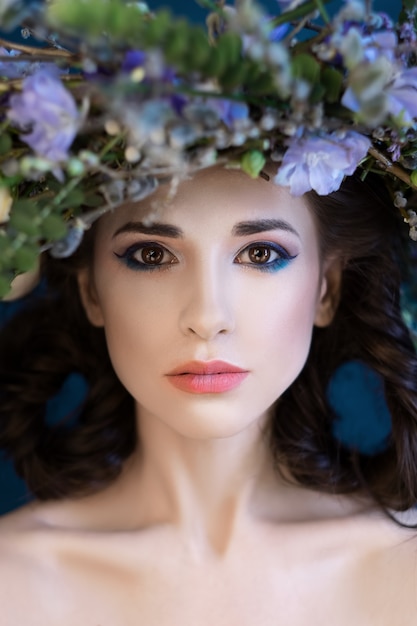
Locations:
(113, 98)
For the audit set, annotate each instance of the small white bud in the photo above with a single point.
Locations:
(112, 127)
(132, 154)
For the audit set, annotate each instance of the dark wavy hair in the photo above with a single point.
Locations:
(53, 338)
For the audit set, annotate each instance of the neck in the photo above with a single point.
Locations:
(206, 487)
(208, 490)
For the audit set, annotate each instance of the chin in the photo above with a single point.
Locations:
(209, 418)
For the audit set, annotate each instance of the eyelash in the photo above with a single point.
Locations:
(282, 260)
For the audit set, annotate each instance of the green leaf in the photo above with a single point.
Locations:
(322, 10)
(120, 20)
(262, 85)
(298, 13)
(25, 218)
(317, 93)
(233, 77)
(176, 44)
(5, 143)
(306, 67)
(414, 178)
(93, 200)
(200, 50)
(5, 287)
(159, 26)
(25, 258)
(252, 162)
(53, 227)
(72, 200)
(216, 63)
(332, 80)
(230, 47)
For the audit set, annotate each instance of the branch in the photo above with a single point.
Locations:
(389, 166)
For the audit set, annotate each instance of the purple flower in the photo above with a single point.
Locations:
(133, 59)
(49, 112)
(230, 112)
(278, 32)
(8, 69)
(395, 94)
(321, 163)
(402, 96)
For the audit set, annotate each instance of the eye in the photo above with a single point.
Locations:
(147, 256)
(265, 256)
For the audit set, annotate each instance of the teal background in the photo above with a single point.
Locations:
(196, 13)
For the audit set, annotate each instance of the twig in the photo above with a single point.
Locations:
(22, 58)
(389, 166)
(32, 50)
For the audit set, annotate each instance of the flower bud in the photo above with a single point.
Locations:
(5, 204)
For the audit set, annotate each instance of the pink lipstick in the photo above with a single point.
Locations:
(207, 377)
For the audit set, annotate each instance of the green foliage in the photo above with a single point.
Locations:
(157, 29)
(25, 218)
(252, 162)
(25, 257)
(332, 81)
(5, 143)
(116, 18)
(198, 48)
(72, 200)
(216, 63)
(53, 228)
(230, 47)
(300, 12)
(233, 77)
(176, 44)
(4, 286)
(408, 5)
(306, 67)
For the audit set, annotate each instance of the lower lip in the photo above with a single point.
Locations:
(208, 383)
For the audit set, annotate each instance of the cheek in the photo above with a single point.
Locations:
(282, 325)
(133, 322)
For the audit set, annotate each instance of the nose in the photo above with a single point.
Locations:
(207, 310)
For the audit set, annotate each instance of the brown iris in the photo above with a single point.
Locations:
(152, 255)
(259, 254)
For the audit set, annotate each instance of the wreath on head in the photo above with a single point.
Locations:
(114, 98)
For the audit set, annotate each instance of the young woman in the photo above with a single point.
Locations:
(203, 483)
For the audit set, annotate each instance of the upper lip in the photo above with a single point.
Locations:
(205, 367)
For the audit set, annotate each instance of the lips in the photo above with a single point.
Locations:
(207, 377)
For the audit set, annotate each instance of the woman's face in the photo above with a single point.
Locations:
(229, 271)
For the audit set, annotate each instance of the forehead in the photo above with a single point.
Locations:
(215, 198)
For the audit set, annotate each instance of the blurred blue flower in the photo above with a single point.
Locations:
(18, 69)
(395, 92)
(230, 112)
(278, 32)
(402, 96)
(133, 59)
(155, 70)
(321, 163)
(49, 112)
(8, 69)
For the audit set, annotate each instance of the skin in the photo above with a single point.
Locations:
(200, 528)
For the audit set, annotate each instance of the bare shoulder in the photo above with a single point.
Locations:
(24, 569)
(53, 575)
(389, 572)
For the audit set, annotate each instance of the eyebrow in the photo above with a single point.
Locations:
(241, 229)
(251, 227)
(158, 229)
